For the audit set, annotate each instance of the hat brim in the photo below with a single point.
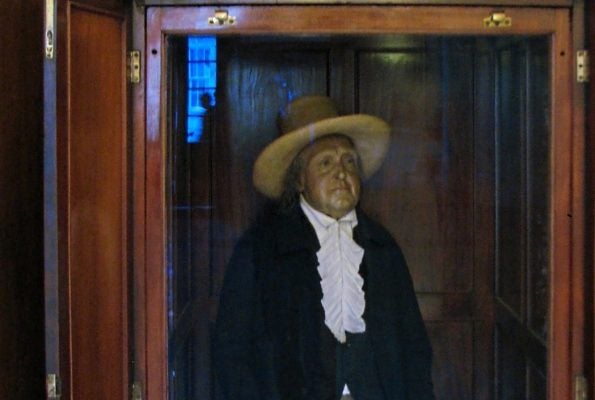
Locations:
(369, 134)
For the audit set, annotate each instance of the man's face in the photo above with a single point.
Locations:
(330, 179)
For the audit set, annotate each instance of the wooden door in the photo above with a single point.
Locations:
(442, 192)
(589, 348)
(86, 200)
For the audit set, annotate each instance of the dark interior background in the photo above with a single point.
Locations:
(21, 200)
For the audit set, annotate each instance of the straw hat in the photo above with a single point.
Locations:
(306, 119)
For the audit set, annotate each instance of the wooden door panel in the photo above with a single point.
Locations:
(92, 184)
(426, 182)
(257, 82)
(424, 194)
(589, 311)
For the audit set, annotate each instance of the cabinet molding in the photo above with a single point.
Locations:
(515, 3)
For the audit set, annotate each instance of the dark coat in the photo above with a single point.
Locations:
(270, 339)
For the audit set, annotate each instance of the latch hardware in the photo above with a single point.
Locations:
(134, 66)
(582, 66)
(52, 385)
(137, 393)
(498, 19)
(222, 17)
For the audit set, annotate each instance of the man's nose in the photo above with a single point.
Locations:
(341, 171)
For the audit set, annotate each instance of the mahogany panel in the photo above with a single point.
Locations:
(97, 204)
(21, 201)
(337, 19)
(589, 313)
(426, 182)
(104, 5)
(452, 370)
(257, 84)
(562, 147)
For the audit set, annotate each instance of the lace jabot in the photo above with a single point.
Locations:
(339, 259)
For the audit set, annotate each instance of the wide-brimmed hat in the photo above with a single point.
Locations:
(306, 119)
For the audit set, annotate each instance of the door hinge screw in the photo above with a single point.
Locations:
(134, 66)
(52, 387)
(137, 392)
(582, 66)
(580, 387)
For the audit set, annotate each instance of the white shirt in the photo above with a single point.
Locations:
(339, 259)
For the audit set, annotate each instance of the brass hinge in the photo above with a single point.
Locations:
(582, 66)
(498, 19)
(52, 387)
(222, 17)
(133, 66)
(580, 387)
(49, 29)
(137, 392)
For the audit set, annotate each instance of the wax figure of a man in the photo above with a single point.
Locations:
(317, 302)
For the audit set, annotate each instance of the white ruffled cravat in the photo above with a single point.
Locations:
(339, 259)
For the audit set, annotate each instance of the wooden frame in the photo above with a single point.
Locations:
(515, 3)
(149, 161)
(87, 291)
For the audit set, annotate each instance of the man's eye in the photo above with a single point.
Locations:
(351, 161)
(325, 162)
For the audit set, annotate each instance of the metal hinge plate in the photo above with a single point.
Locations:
(582, 66)
(137, 392)
(52, 386)
(498, 19)
(134, 66)
(49, 29)
(222, 17)
(580, 387)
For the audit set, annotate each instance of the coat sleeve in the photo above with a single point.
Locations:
(416, 346)
(238, 327)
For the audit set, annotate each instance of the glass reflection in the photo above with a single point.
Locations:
(464, 189)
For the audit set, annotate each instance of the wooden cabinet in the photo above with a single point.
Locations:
(481, 132)
(482, 181)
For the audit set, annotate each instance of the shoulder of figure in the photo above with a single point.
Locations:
(372, 230)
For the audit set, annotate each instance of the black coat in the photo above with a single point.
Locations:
(270, 340)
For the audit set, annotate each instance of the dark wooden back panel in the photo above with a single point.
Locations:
(426, 194)
(434, 192)
(21, 200)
